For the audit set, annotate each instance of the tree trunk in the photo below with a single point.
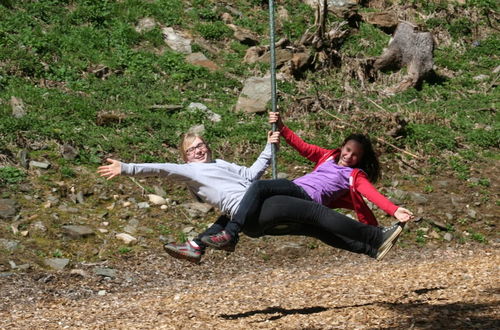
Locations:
(410, 48)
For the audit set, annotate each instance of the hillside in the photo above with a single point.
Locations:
(84, 80)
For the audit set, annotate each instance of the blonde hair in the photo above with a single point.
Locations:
(186, 140)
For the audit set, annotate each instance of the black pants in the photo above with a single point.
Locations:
(284, 215)
(255, 196)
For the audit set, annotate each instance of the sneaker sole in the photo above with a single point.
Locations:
(177, 255)
(391, 238)
(388, 246)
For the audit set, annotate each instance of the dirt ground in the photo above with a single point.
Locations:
(448, 287)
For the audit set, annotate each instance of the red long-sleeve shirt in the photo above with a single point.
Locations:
(359, 185)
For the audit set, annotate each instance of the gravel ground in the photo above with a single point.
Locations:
(429, 288)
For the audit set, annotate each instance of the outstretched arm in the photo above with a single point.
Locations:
(111, 170)
(403, 215)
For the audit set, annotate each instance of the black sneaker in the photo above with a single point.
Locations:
(221, 241)
(185, 251)
(389, 237)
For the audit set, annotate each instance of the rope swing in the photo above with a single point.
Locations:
(273, 82)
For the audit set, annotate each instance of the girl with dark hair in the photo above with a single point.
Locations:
(341, 178)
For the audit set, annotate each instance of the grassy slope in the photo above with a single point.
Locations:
(50, 49)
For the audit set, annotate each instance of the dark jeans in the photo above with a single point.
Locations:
(255, 195)
(284, 215)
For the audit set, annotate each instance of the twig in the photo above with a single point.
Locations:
(137, 183)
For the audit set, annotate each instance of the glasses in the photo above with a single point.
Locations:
(191, 150)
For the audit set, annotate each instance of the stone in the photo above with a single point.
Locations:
(143, 205)
(42, 165)
(472, 213)
(18, 108)
(197, 129)
(8, 208)
(253, 54)
(419, 199)
(281, 56)
(126, 238)
(481, 77)
(188, 229)
(255, 95)
(199, 59)
(106, 272)
(9, 245)
(384, 20)
(448, 237)
(57, 263)
(244, 36)
(196, 210)
(77, 231)
(212, 116)
(156, 200)
(68, 152)
(145, 24)
(65, 208)
(177, 40)
(101, 293)
(434, 235)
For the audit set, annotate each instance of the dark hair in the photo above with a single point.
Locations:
(369, 162)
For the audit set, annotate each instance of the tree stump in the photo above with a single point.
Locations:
(410, 48)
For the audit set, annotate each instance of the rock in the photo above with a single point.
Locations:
(199, 59)
(282, 56)
(131, 227)
(176, 40)
(197, 129)
(419, 199)
(101, 293)
(8, 245)
(8, 208)
(157, 200)
(442, 183)
(164, 207)
(385, 20)
(244, 36)
(439, 225)
(472, 213)
(448, 237)
(76, 231)
(79, 197)
(187, 230)
(255, 95)
(126, 238)
(497, 69)
(449, 216)
(226, 18)
(18, 108)
(457, 201)
(196, 210)
(253, 54)
(57, 263)
(42, 165)
(106, 272)
(145, 24)
(212, 116)
(481, 77)
(143, 205)
(68, 152)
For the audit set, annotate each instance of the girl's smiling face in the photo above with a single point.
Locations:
(351, 154)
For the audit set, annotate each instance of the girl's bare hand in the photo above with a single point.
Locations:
(111, 170)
